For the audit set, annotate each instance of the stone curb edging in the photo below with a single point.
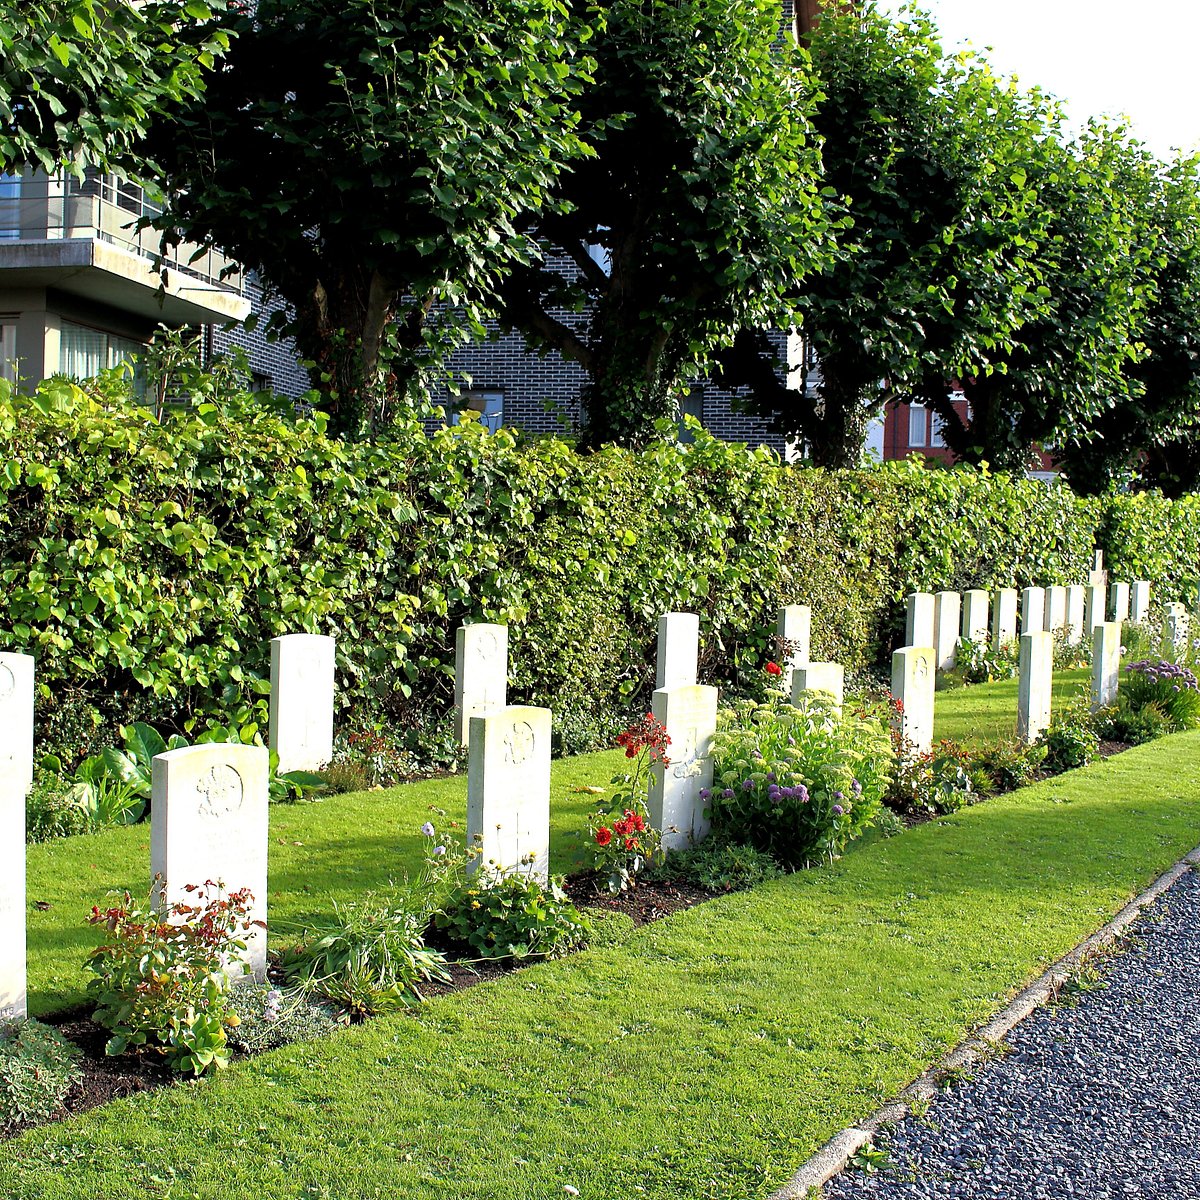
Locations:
(832, 1158)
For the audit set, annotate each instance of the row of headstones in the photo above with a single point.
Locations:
(208, 802)
(941, 620)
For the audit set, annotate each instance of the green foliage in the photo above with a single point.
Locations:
(147, 565)
(982, 661)
(798, 783)
(1072, 740)
(937, 782)
(509, 916)
(371, 164)
(1146, 536)
(365, 958)
(271, 1017)
(80, 80)
(51, 811)
(37, 1069)
(702, 193)
(1167, 687)
(1122, 722)
(163, 974)
(1010, 764)
(720, 866)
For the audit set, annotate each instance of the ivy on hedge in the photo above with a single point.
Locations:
(147, 565)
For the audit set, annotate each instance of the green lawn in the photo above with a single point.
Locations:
(706, 1058)
(988, 711)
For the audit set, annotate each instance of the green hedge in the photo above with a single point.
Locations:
(1151, 537)
(147, 565)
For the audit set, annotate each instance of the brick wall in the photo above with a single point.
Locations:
(276, 362)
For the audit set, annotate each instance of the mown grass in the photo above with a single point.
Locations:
(705, 1058)
(987, 712)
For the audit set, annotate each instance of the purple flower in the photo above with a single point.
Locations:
(770, 776)
(839, 795)
(856, 787)
(728, 793)
(801, 793)
(705, 794)
(439, 850)
(427, 829)
(747, 785)
(837, 810)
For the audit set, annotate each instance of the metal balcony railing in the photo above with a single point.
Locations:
(38, 207)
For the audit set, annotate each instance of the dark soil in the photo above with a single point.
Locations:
(1108, 749)
(649, 901)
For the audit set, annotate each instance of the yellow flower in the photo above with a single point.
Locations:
(233, 1020)
(474, 903)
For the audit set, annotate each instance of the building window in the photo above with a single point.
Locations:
(936, 436)
(916, 424)
(10, 207)
(83, 353)
(487, 402)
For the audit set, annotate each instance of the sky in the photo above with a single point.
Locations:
(1137, 58)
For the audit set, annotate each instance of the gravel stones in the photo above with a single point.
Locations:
(1098, 1099)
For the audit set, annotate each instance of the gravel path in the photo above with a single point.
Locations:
(1098, 1099)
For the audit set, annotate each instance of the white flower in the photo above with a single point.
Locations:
(571, 1191)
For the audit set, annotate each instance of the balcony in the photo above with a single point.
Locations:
(81, 237)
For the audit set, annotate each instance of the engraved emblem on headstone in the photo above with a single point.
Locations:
(518, 743)
(8, 683)
(221, 791)
(486, 647)
(922, 670)
(685, 764)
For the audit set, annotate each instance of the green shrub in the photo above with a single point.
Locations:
(719, 866)
(798, 783)
(269, 1017)
(1072, 740)
(1009, 764)
(936, 782)
(364, 958)
(1172, 689)
(1122, 722)
(149, 578)
(510, 916)
(37, 1069)
(51, 811)
(981, 662)
(163, 974)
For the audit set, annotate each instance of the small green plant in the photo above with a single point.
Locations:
(800, 782)
(1072, 740)
(1009, 764)
(365, 958)
(720, 866)
(868, 1158)
(49, 812)
(936, 782)
(272, 1017)
(620, 837)
(38, 1066)
(1122, 722)
(1171, 688)
(509, 916)
(982, 662)
(164, 972)
(1068, 654)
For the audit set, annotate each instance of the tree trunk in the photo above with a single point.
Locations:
(848, 402)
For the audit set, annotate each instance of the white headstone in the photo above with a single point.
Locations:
(208, 820)
(678, 650)
(16, 720)
(1056, 608)
(16, 774)
(1076, 612)
(795, 626)
(301, 729)
(1120, 601)
(508, 790)
(947, 614)
(480, 674)
(1004, 617)
(1036, 683)
(1093, 608)
(820, 677)
(1175, 629)
(1139, 599)
(912, 684)
(975, 610)
(1033, 610)
(1098, 576)
(918, 623)
(1106, 663)
(12, 900)
(675, 806)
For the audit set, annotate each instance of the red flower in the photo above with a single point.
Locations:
(774, 669)
(630, 843)
(603, 835)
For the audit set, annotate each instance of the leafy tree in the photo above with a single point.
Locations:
(370, 161)
(1073, 358)
(928, 160)
(696, 214)
(80, 80)
(1153, 431)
